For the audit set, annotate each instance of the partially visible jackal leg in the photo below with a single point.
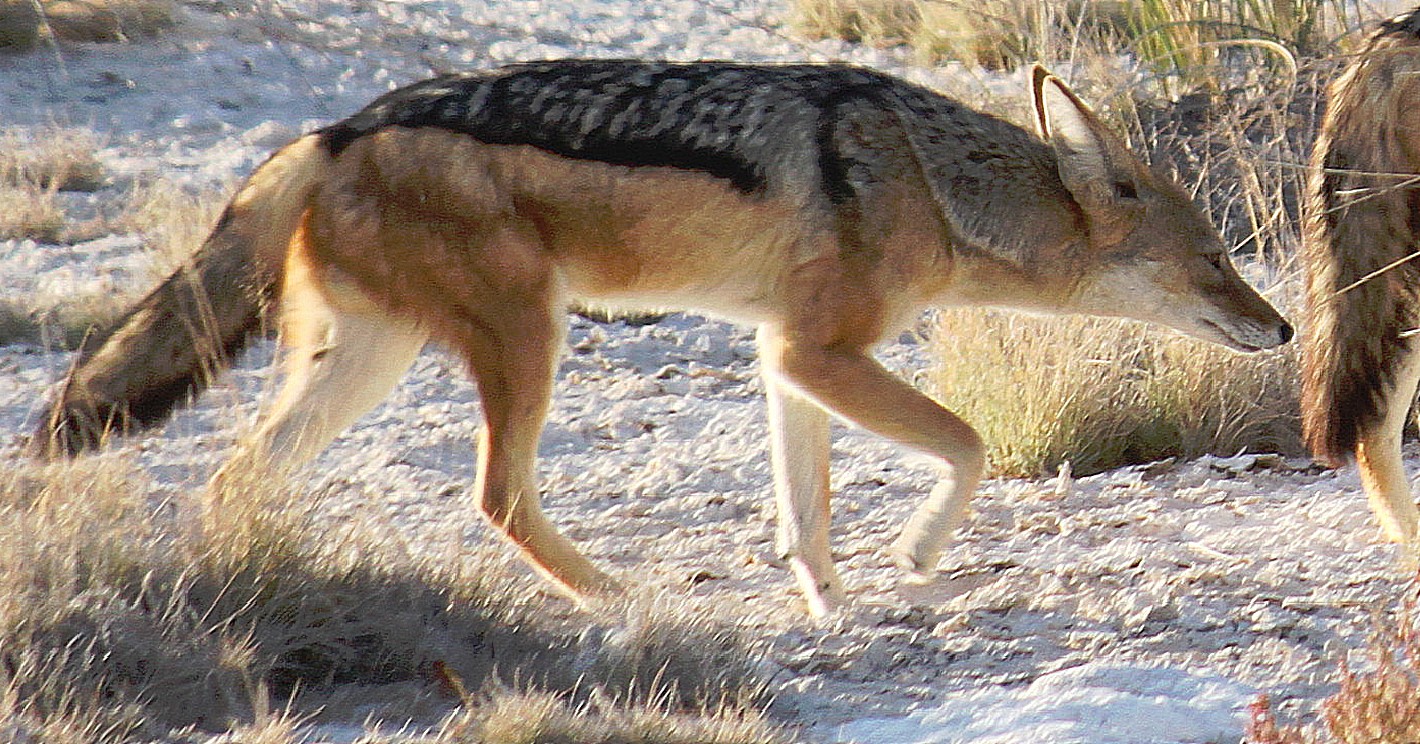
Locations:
(926, 533)
(853, 385)
(1378, 456)
(512, 348)
(799, 452)
(340, 362)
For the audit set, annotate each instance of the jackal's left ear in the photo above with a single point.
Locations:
(1094, 162)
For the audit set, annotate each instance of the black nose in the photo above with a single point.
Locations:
(1287, 333)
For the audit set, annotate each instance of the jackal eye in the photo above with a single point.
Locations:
(1216, 259)
(1125, 190)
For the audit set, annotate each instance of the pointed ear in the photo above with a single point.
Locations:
(1038, 76)
(1094, 163)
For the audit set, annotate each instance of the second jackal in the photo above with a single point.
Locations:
(826, 205)
(1360, 364)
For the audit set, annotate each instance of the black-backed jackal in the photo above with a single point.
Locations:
(827, 205)
(1360, 366)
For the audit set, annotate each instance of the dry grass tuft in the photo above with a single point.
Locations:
(28, 211)
(59, 158)
(539, 718)
(877, 22)
(1105, 393)
(996, 34)
(26, 24)
(16, 326)
(21, 25)
(110, 20)
(56, 322)
(34, 168)
(1185, 43)
(122, 619)
(56, 560)
(1194, 46)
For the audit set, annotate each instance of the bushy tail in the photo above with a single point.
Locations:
(1363, 221)
(170, 346)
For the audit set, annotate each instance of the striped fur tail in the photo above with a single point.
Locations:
(1360, 252)
(172, 344)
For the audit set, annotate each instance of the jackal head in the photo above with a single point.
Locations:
(1152, 254)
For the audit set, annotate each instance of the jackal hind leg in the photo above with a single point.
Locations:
(1378, 456)
(339, 362)
(512, 348)
(799, 453)
(852, 384)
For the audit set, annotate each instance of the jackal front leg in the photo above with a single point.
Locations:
(850, 383)
(799, 449)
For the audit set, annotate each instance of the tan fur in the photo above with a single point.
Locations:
(427, 233)
(1359, 362)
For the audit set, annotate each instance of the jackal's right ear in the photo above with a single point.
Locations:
(1094, 163)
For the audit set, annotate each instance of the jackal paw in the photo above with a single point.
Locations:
(827, 604)
(918, 569)
(607, 600)
(822, 589)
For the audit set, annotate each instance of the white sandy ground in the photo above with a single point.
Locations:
(1148, 604)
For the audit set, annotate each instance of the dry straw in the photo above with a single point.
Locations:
(26, 24)
(1102, 393)
(126, 620)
